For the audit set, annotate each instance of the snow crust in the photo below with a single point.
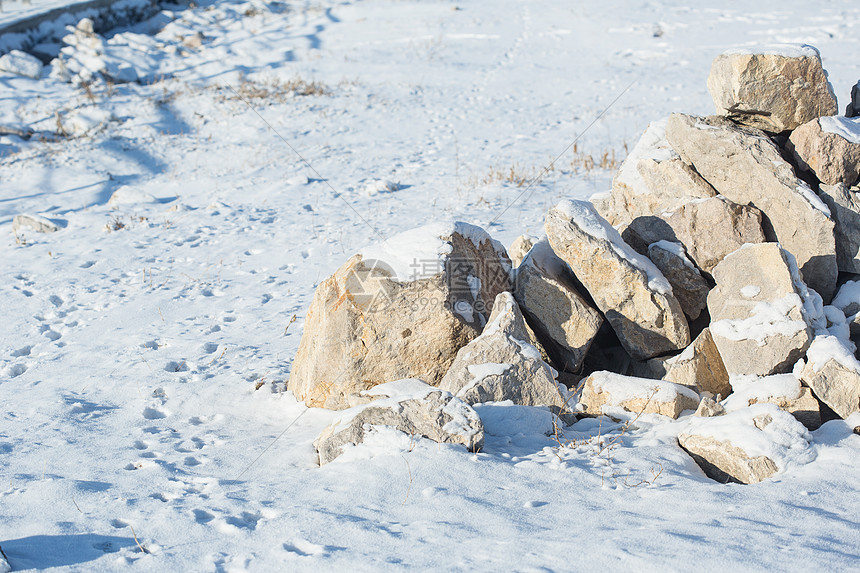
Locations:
(847, 128)
(624, 388)
(766, 319)
(750, 389)
(785, 50)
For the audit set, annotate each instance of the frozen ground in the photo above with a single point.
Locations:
(145, 345)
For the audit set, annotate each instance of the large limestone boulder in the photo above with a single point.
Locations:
(745, 166)
(604, 391)
(774, 88)
(833, 373)
(829, 147)
(688, 285)
(699, 367)
(783, 390)
(844, 205)
(559, 315)
(758, 319)
(632, 293)
(410, 406)
(501, 364)
(709, 229)
(748, 445)
(652, 179)
(398, 310)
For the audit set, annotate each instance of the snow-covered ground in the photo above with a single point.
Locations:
(145, 345)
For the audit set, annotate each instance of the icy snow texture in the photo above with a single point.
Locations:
(846, 127)
(787, 50)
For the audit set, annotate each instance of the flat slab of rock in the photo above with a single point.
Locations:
(783, 390)
(774, 88)
(501, 364)
(400, 310)
(652, 179)
(688, 285)
(746, 446)
(632, 293)
(829, 147)
(709, 229)
(560, 317)
(603, 391)
(410, 406)
(833, 373)
(844, 205)
(758, 320)
(745, 166)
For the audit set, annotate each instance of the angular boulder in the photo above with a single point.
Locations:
(561, 318)
(833, 373)
(758, 320)
(501, 364)
(603, 391)
(709, 229)
(844, 205)
(688, 285)
(410, 406)
(632, 293)
(397, 310)
(782, 390)
(746, 446)
(699, 367)
(708, 408)
(774, 88)
(829, 147)
(652, 179)
(519, 248)
(745, 166)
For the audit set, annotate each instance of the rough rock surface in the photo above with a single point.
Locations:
(688, 285)
(829, 147)
(632, 293)
(638, 395)
(745, 166)
(371, 322)
(652, 179)
(700, 367)
(519, 248)
(708, 408)
(834, 375)
(411, 406)
(758, 321)
(782, 390)
(560, 317)
(35, 222)
(501, 364)
(746, 446)
(853, 107)
(844, 205)
(709, 229)
(776, 89)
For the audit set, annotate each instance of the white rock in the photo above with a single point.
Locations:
(22, 64)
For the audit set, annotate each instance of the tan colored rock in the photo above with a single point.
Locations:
(688, 285)
(757, 317)
(518, 249)
(632, 293)
(829, 147)
(561, 319)
(410, 406)
(388, 314)
(782, 390)
(745, 166)
(844, 205)
(775, 88)
(746, 446)
(637, 395)
(652, 179)
(708, 408)
(700, 367)
(833, 373)
(709, 229)
(501, 364)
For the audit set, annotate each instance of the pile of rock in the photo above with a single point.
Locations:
(698, 283)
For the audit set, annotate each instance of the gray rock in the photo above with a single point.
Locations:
(853, 108)
(518, 249)
(632, 293)
(410, 406)
(773, 88)
(745, 166)
(501, 364)
(688, 285)
(35, 222)
(829, 147)
(844, 205)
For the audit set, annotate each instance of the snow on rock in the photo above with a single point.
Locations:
(746, 167)
(373, 321)
(85, 121)
(774, 88)
(632, 293)
(410, 406)
(699, 367)
(562, 320)
(500, 364)
(21, 64)
(783, 390)
(833, 373)
(747, 445)
(125, 195)
(847, 298)
(604, 390)
(829, 147)
(845, 127)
